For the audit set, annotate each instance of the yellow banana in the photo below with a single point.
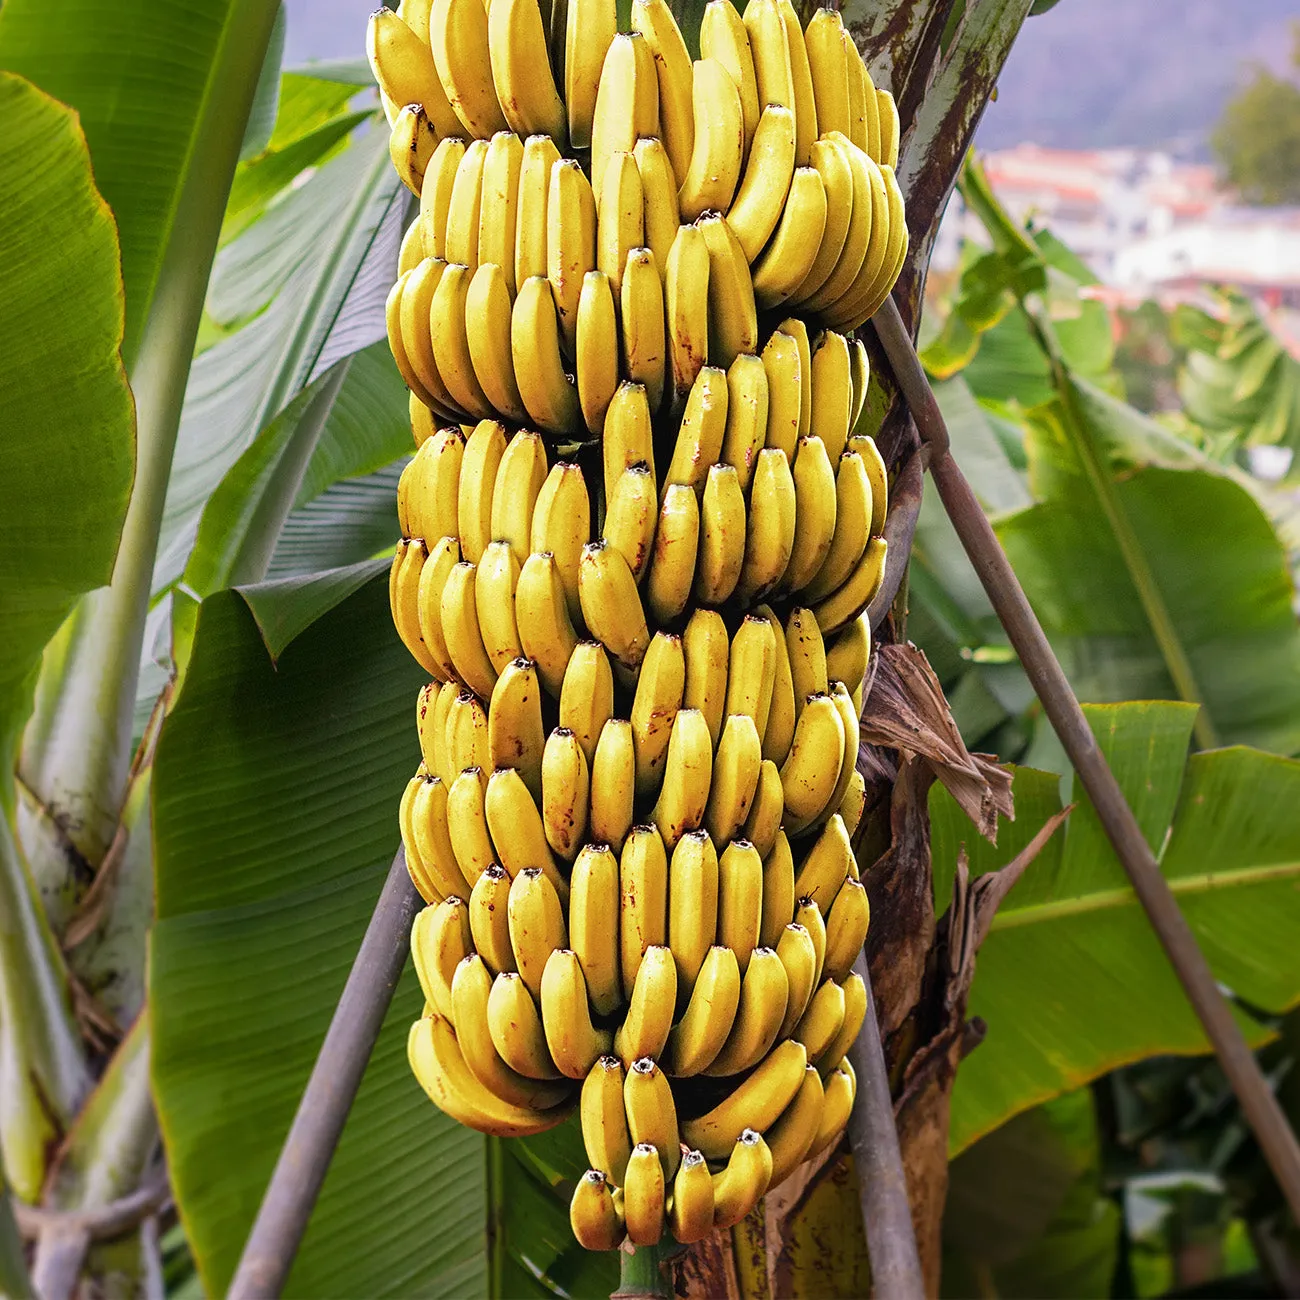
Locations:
(408, 571)
(431, 496)
(613, 784)
(628, 438)
(467, 734)
(700, 434)
(830, 158)
(691, 1208)
(517, 831)
(540, 155)
(687, 775)
(627, 101)
(888, 129)
(604, 1119)
(781, 715)
(642, 312)
(707, 651)
(793, 250)
(799, 957)
(561, 524)
(706, 1024)
(464, 205)
(794, 327)
(824, 39)
(643, 907)
(548, 394)
(849, 653)
(810, 773)
(515, 734)
(521, 70)
(480, 461)
(765, 812)
(826, 866)
(719, 142)
(862, 305)
(751, 671)
(779, 907)
(596, 343)
(405, 70)
(740, 1186)
(435, 195)
(594, 1215)
(808, 667)
(590, 26)
(411, 146)
(858, 241)
(621, 227)
(791, 1136)
(853, 502)
(740, 899)
(723, 37)
(467, 823)
(888, 237)
(407, 315)
(860, 368)
(692, 906)
(807, 914)
(782, 367)
(655, 21)
(426, 704)
(756, 1103)
(458, 32)
(846, 929)
(766, 182)
(815, 513)
(450, 339)
(440, 938)
(733, 319)
(736, 767)
(832, 408)
(805, 102)
(878, 477)
(864, 111)
(855, 1012)
(593, 933)
(441, 713)
(495, 579)
(840, 1088)
(570, 242)
(499, 199)
(565, 793)
(458, 611)
(644, 1030)
(849, 716)
(421, 420)
(659, 188)
(421, 818)
(763, 995)
(771, 53)
(644, 1200)
(611, 604)
(651, 1113)
(658, 696)
(574, 1042)
(587, 695)
(854, 803)
(535, 924)
(487, 334)
(722, 536)
(686, 306)
(542, 615)
(488, 921)
(842, 606)
(747, 416)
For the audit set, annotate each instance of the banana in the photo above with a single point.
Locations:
(740, 1186)
(654, 20)
(687, 774)
(810, 773)
(521, 70)
(515, 1026)
(700, 434)
(850, 717)
(488, 920)
(432, 489)
(652, 1113)
(781, 715)
(411, 146)
(747, 416)
(846, 929)
(641, 306)
(438, 878)
(644, 1201)
(570, 241)
(840, 1088)
(808, 666)
(733, 319)
(830, 157)
(719, 144)
(549, 395)
(793, 250)
(740, 899)
(590, 27)
(707, 651)
(604, 1119)
(535, 924)
(860, 91)
(436, 1061)
(516, 737)
(756, 1103)
(409, 564)
(723, 37)
(613, 784)
(458, 34)
(450, 338)
(467, 734)
(860, 368)
(877, 475)
(487, 333)
(764, 992)
(884, 253)
(593, 1213)
(440, 938)
(815, 512)
(542, 615)
(778, 890)
(645, 1028)
(467, 824)
(562, 525)
(499, 199)
(791, 1136)
(593, 931)
(829, 68)
(621, 226)
(407, 316)
(805, 102)
(888, 110)
(691, 1207)
(596, 343)
(587, 695)
(627, 101)
(765, 811)
(435, 195)
(783, 366)
(517, 831)
(464, 205)
(458, 611)
(686, 306)
(771, 53)
(471, 990)
(807, 914)
(565, 793)
(853, 503)
(706, 1024)
(421, 420)
(854, 803)
(759, 202)
(751, 671)
(659, 187)
(842, 606)
(823, 1020)
(659, 690)
(630, 518)
(799, 957)
(832, 407)
(405, 70)
(643, 907)
(519, 479)
(480, 461)
(611, 605)
(855, 1012)
(794, 327)
(692, 906)
(495, 579)
(540, 155)
(426, 704)
(441, 713)
(722, 536)
(736, 767)
(628, 437)
(574, 1042)
(860, 245)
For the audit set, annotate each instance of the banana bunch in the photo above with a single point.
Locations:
(639, 536)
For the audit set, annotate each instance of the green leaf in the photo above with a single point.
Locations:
(275, 823)
(1071, 980)
(354, 520)
(266, 98)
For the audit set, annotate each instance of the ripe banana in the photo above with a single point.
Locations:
(621, 227)
(853, 501)
(823, 1020)
(458, 32)
(849, 716)
(426, 705)
(611, 605)
(740, 899)
(797, 330)
(830, 158)
(542, 615)
(722, 536)
(405, 70)
(590, 26)
(613, 784)
(770, 532)
(442, 711)
(440, 939)
(570, 241)
(652, 1113)
(645, 1028)
(521, 71)
(805, 103)
(706, 1024)
(751, 671)
(411, 146)
(421, 419)
(540, 155)
(658, 697)
(515, 1027)
(547, 392)
(433, 486)
(877, 475)
(561, 525)
(593, 931)
(517, 830)
(407, 317)
(846, 929)
(574, 1042)
(467, 823)
(691, 1208)
(692, 906)
(488, 921)
(435, 195)
(855, 1012)
(842, 606)
(864, 110)
(594, 1214)
(701, 432)
(643, 1196)
(643, 902)
(756, 1103)
(854, 803)
(687, 775)
(587, 695)
(763, 995)
(604, 1119)
(655, 21)
(747, 416)
(840, 1088)
(723, 37)
(409, 563)
(860, 366)
(766, 810)
(736, 767)
(596, 343)
(499, 199)
(793, 250)
(829, 68)
(488, 309)
(810, 773)
(799, 957)
(791, 1136)
(771, 53)
(467, 734)
(642, 311)
(686, 306)
(630, 517)
(627, 101)
(719, 142)
(458, 610)
(832, 393)
(480, 461)
(659, 188)
(783, 367)
(450, 339)
(888, 129)
(733, 319)
(495, 579)
(565, 793)
(740, 1186)
(628, 438)
(764, 186)
(807, 914)
(707, 651)
(781, 715)
(815, 511)
(465, 205)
